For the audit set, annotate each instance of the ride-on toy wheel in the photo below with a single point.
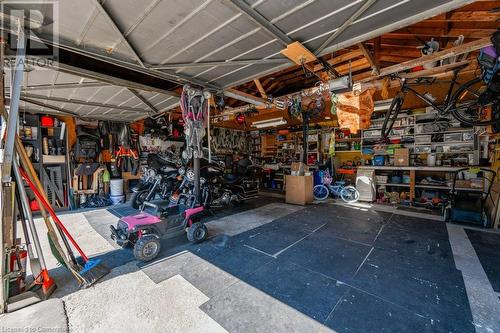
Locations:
(197, 232)
(146, 248)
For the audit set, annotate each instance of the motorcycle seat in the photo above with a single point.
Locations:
(168, 173)
(231, 179)
(157, 161)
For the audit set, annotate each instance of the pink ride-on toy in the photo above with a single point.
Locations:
(144, 231)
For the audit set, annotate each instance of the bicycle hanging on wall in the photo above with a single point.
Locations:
(464, 104)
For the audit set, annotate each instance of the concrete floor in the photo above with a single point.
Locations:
(273, 267)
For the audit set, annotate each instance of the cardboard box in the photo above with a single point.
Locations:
(56, 159)
(402, 157)
(299, 189)
(298, 169)
(460, 183)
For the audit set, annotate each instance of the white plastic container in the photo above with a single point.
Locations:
(117, 199)
(431, 160)
(116, 187)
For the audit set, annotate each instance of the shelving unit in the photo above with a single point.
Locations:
(413, 129)
(414, 173)
(43, 163)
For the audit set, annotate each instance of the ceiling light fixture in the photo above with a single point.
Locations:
(269, 123)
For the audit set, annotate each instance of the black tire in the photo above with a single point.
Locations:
(459, 112)
(137, 199)
(391, 115)
(197, 232)
(147, 248)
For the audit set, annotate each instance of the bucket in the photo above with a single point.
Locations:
(117, 199)
(116, 187)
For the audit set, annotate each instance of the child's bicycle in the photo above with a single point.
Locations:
(338, 189)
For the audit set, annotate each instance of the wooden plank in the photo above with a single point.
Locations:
(439, 32)
(398, 51)
(369, 57)
(440, 55)
(472, 16)
(435, 70)
(340, 59)
(394, 59)
(260, 88)
(298, 53)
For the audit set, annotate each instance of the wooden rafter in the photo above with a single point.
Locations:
(259, 86)
(369, 57)
(444, 54)
(472, 16)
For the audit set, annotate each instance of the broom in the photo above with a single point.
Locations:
(59, 253)
(92, 269)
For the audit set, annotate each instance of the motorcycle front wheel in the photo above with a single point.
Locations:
(138, 198)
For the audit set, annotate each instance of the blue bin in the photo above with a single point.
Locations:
(318, 177)
(379, 160)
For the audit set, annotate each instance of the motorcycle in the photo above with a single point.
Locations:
(219, 189)
(159, 180)
(244, 183)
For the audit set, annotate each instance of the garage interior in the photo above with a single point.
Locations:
(250, 166)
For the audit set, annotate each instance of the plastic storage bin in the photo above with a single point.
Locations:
(379, 160)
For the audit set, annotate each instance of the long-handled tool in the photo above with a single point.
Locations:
(57, 250)
(38, 266)
(93, 269)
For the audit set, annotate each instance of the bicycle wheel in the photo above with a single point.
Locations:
(320, 192)
(391, 115)
(349, 194)
(468, 107)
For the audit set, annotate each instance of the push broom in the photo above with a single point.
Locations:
(57, 250)
(93, 269)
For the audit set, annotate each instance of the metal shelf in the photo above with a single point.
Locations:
(393, 184)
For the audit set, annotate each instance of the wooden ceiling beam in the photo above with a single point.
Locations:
(341, 58)
(478, 6)
(368, 56)
(440, 55)
(457, 25)
(356, 66)
(439, 32)
(435, 70)
(409, 53)
(259, 86)
(394, 59)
